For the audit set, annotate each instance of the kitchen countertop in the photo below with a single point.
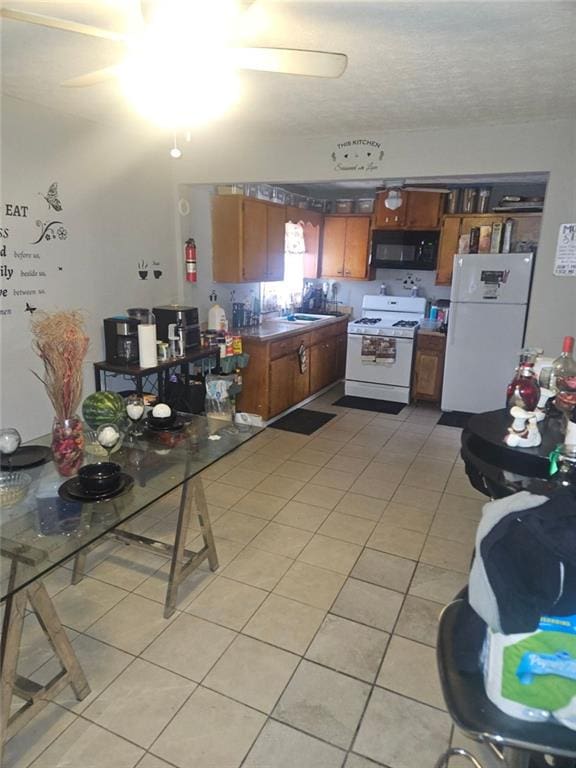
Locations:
(270, 330)
(429, 332)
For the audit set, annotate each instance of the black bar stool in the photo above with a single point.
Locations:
(513, 741)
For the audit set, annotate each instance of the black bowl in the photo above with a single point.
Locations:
(101, 477)
(166, 421)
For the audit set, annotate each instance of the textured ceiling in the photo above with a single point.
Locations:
(412, 65)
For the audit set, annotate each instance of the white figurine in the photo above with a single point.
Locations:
(524, 432)
(545, 395)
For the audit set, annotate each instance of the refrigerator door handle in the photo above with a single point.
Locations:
(456, 272)
(452, 325)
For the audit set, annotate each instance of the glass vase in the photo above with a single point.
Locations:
(68, 445)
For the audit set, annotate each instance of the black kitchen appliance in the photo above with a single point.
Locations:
(185, 320)
(404, 249)
(121, 339)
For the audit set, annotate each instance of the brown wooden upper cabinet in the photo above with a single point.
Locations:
(247, 239)
(345, 247)
(418, 210)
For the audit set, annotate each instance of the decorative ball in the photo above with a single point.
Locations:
(161, 411)
(108, 436)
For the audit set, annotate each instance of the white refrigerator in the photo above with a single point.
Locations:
(488, 304)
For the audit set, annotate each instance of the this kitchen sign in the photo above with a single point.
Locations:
(357, 155)
(565, 261)
(28, 232)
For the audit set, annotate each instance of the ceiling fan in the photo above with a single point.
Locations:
(395, 188)
(291, 61)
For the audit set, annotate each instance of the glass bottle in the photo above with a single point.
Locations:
(564, 377)
(567, 453)
(524, 390)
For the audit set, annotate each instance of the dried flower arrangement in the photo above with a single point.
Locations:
(61, 343)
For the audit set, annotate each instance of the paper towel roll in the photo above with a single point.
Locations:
(147, 345)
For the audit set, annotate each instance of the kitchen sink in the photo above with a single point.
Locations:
(300, 319)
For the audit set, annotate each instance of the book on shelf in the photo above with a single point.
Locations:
(474, 239)
(485, 238)
(496, 239)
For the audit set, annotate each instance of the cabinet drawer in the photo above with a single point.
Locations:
(325, 333)
(287, 346)
(427, 341)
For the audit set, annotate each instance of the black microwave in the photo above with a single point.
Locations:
(404, 249)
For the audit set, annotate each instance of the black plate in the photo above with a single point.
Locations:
(27, 456)
(176, 426)
(71, 490)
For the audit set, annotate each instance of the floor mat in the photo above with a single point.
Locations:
(368, 404)
(303, 421)
(454, 419)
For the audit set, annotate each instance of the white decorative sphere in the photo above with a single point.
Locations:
(161, 411)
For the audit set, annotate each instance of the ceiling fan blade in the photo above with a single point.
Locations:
(415, 188)
(291, 61)
(90, 78)
(64, 24)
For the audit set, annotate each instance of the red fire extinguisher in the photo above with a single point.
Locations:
(190, 256)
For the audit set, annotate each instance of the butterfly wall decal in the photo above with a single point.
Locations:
(51, 197)
(30, 308)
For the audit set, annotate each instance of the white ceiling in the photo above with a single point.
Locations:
(412, 65)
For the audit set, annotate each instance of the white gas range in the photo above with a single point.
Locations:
(381, 348)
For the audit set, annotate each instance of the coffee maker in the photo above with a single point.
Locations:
(121, 339)
(185, 320)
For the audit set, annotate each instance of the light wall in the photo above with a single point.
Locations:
(536, 147)
(118, 210)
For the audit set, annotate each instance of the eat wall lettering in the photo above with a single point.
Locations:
(14, 209)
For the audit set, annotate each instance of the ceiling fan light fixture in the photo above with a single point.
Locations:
(176, 91)
(393, 199)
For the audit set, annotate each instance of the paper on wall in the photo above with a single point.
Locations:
(565, 261)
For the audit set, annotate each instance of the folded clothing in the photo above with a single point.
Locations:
(525, 561)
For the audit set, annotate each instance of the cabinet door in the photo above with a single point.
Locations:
(447, 248)
(226, 239)
(275, 243)
(341, 343)
(281, 373)
(300, 380)
(333, 246)
(255, 240)
(322, 364)
(386, 218)
(356, 254)
(423, 210)
(427, 383)
(288, 385)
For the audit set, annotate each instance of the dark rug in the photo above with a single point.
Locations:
(302, 421)
(454, 419)
(368, 404)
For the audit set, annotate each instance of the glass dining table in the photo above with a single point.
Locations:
(53, 524)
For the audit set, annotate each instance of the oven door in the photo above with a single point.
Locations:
(395, 374)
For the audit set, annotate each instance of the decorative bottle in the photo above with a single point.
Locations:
(564, 377)
(567, 454)
(524, 390)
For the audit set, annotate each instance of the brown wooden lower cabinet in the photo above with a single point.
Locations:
(322, 364)
(288, 384)
(273, 380)
(428, 367)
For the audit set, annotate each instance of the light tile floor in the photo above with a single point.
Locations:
(312, 646)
